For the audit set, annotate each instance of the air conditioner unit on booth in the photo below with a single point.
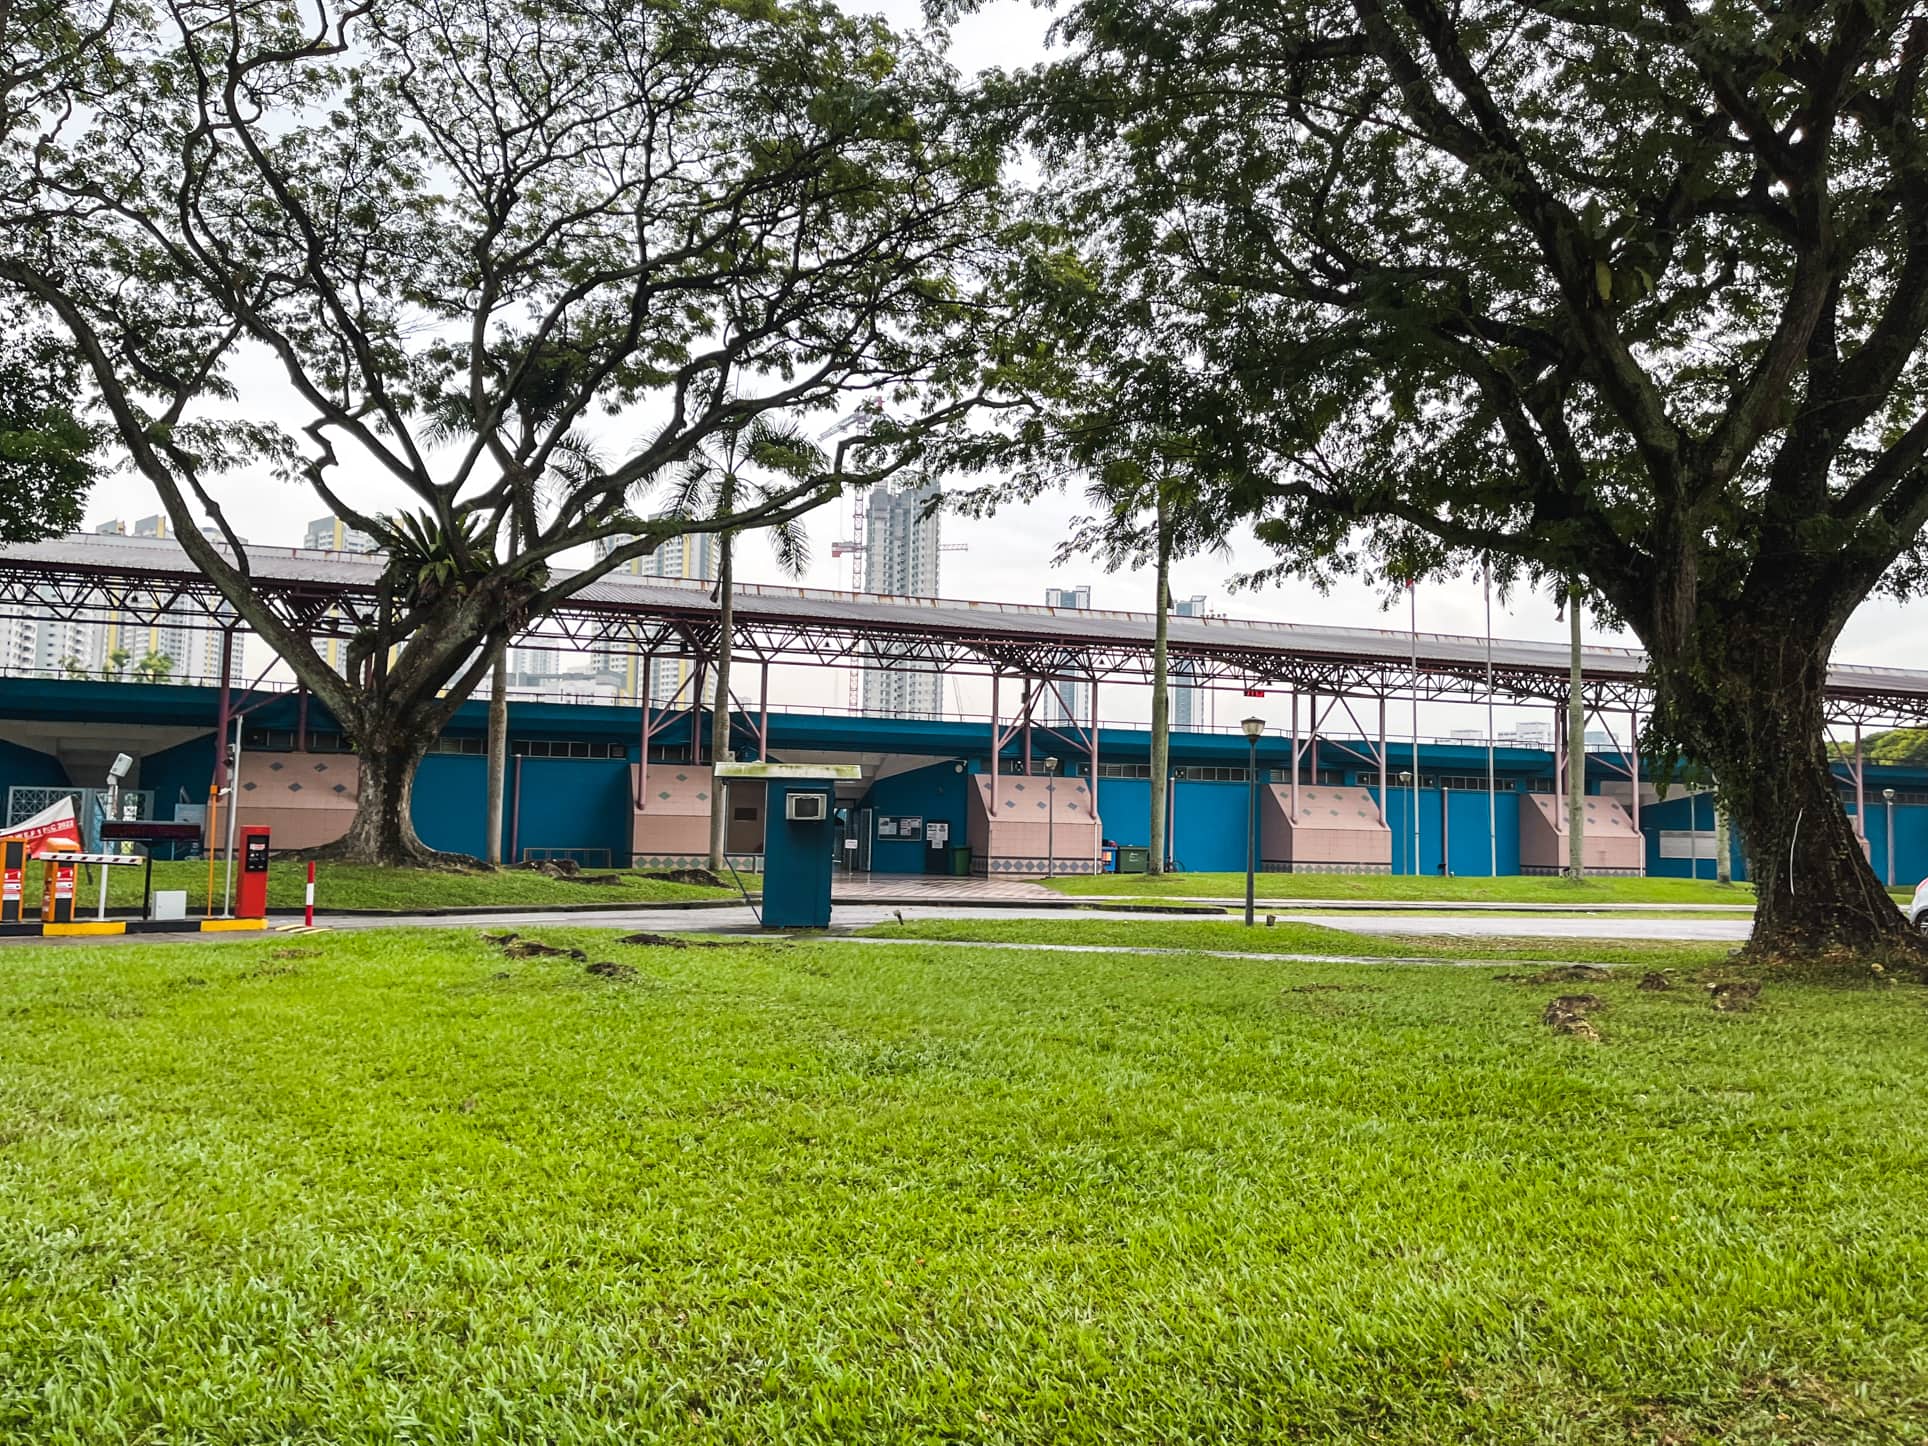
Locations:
(806, 807)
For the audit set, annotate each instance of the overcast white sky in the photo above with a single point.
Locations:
(1010, 557)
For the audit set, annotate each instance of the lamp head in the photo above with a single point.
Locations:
(118, 768)
(1253, 727)
(1405, 775)
(1888, 794)
(1051, 766)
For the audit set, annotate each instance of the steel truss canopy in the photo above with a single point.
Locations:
(88, 575)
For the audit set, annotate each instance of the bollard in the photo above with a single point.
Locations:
(308, 913)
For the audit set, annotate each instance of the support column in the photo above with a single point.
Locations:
(301, 718)
(1295, 756)
(1097, 843)
(645, 727)
(1860, 795)
(696, 712)
(997, 743)
(1633, 772)
(1312, 734)
(1385, 818)
(1030, 697)
(763, 714)
(223, 708)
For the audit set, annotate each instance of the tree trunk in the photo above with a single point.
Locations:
(1160, 699)
(383, 832)
(1752, 708)
(720, 724)
(1723, 845)
(498, 750)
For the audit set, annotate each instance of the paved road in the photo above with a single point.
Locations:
(676, 921)
(1464, 926)
(1422, 906)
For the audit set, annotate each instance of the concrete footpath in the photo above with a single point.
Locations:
(858, 916)
(1417, 906)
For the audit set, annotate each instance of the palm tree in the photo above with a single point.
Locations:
(156, 667)
(718, 479)
(1152, 510)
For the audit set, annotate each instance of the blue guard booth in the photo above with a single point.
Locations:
(799, 836)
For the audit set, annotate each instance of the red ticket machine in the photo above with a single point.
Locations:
(251, 897)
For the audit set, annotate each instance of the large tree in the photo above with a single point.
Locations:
(1623, 291)
(48, 448)
(466, 240)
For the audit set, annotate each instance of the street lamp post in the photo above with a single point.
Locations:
(1888, 802)
(1051, 817)
(1253, 728)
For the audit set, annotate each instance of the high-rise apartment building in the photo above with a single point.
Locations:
(1187, 698)
(143, 641)
(901, 550)
(331, 534)
(1069, 702)
(694, 556)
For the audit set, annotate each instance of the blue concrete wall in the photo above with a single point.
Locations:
(1911, 840)
(1208, 821)
(29, 768)
(1681, 812)
(933, 793)
(1455, 822)
(569, 803)
(449, 803)
(185, 767)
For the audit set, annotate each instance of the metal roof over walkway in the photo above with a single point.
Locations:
(90, 575)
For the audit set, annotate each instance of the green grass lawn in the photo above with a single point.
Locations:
(358, 886)
(1294, 938)
(396, 1187)
(1408, 886)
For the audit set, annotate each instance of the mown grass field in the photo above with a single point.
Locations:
(359, 886)
(397, 1187)
(1515, 890)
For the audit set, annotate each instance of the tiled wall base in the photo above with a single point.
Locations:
(1551, 871)
(1031, 868)
(1278, 866)
(652, 863)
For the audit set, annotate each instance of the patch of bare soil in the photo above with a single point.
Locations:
(1568, 1015)
(702, 877)
(514, 946)
(1735, 996)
